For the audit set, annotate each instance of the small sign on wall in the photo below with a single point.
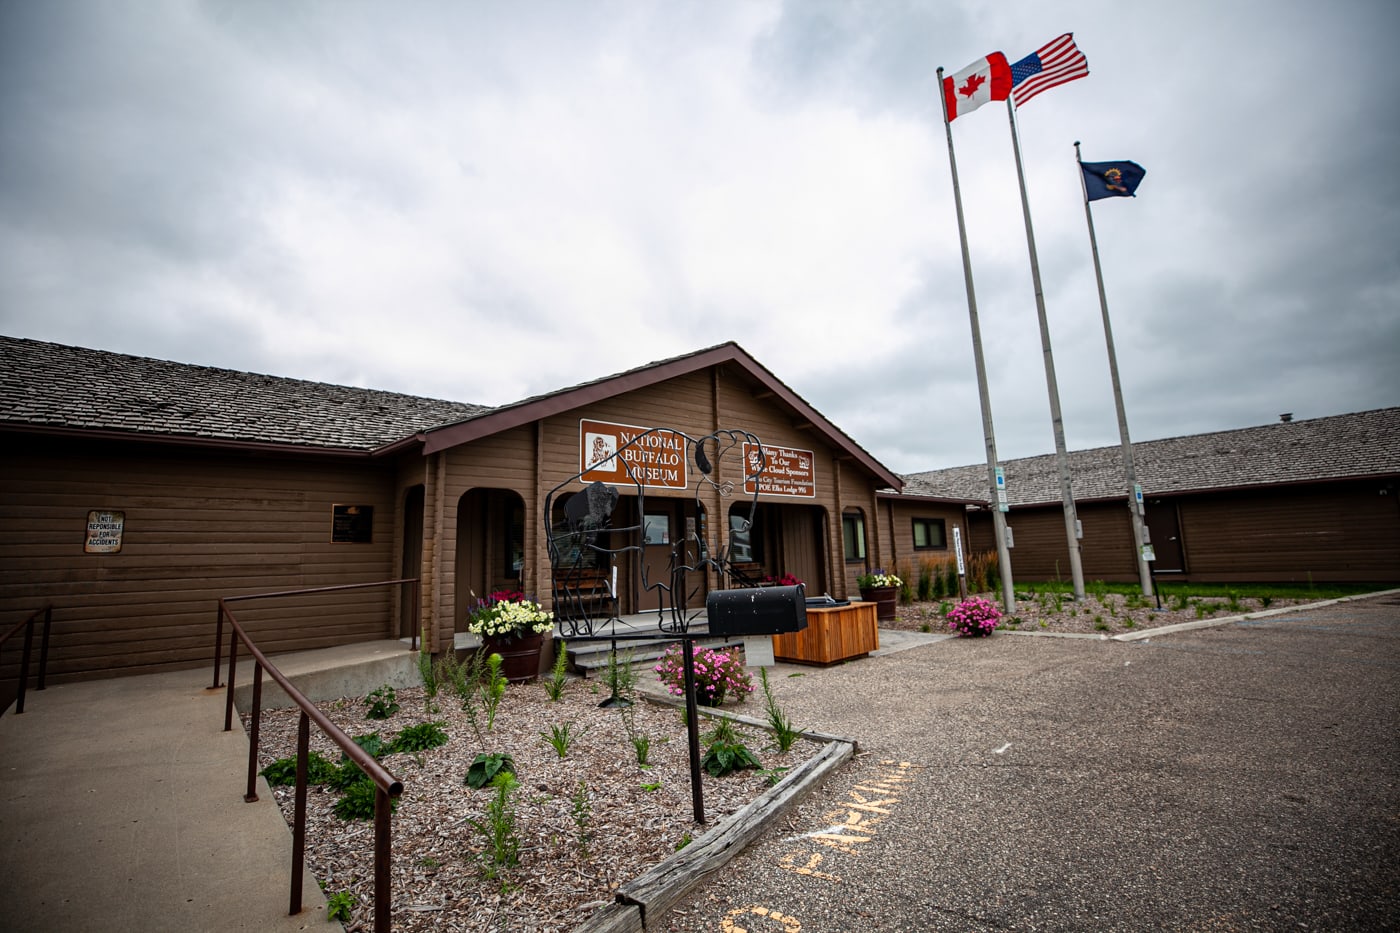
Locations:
(104, 532)
(787, 471)
(352, 524)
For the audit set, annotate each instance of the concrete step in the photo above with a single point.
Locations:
(591, 658)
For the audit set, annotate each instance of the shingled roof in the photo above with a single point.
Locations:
(1356, 446)
(63, 388)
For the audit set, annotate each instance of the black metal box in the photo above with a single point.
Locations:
(757, 610)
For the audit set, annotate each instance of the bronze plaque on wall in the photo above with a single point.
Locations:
(352, 524)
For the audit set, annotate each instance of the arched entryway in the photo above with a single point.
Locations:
(409, 599)
(785, 539)
(490, 547)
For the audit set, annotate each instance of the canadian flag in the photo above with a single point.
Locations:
(985, 79)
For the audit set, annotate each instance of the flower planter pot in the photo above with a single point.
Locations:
(520, 657)
(885, 598)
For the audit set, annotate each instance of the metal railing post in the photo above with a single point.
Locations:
(218, 644)
(24, 662)
(256, 718)
(299, 811)
(232, 675)
(383, 807)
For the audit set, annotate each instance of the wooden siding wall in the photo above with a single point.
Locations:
(1343, 532)
(899, 516)
(533, 459)
(857, 496)
(1337, 533)
(197, 527)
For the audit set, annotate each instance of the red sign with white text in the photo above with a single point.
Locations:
(786, 472)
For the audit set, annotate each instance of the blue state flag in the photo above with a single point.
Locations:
(1111, 179)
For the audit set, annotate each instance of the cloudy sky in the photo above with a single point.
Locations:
(483, 201)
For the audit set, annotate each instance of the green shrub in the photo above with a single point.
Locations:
(339, 906)
(420, 738)
(382, 703)
(283, 771)
(486, 767)
(358, 802)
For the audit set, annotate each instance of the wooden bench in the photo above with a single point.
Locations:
(583, 593)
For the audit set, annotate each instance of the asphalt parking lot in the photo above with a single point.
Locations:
(1241, 777)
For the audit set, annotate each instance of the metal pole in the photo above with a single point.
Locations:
(299, 812)
(1129, 477)
(692, 730)
(1061, 457)
(253, 722)
(1008, 594)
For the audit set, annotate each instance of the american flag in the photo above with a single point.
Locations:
(1051, 65)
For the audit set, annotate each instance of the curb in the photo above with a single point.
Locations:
(1261, 614)
(645, 899)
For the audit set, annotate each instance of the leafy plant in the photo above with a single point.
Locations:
(420, 737)
(559, 676)
(458, 676)
(283, 771)
(382, 703)
(345, 776)
(620, 677)
(684, 841)
(427, 672)
(373, 744)
(784, 732)
(340, 905)
(493, 689)
(561, 736)
(583, 813)
(773, 775)
(358, 802)
(502, 845)
(726, 752)
(485, 768)
(717, 674)
(653, 786)
(641, 742)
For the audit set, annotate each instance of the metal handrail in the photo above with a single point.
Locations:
(386, 785)
(28, 626)
(219, 625)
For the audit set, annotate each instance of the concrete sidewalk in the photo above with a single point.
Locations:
(121, 808)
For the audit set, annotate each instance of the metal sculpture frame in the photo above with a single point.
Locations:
(586, 602)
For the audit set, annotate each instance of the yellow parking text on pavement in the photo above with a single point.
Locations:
(853, 823)
(768, 921)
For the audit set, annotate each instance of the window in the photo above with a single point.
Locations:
(515, 540)
(853, 535)
(930, 533)
(741, 549)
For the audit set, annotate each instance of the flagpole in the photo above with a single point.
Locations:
(1061, 457)
(1008, 593)
(1129, 475)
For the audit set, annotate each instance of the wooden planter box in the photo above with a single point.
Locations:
(831, 635)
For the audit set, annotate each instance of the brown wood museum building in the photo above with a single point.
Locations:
(134, 493)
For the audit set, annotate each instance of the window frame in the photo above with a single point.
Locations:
(928, 525)
(853, 534)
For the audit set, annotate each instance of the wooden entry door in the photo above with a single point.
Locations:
(1165, 531)
(662, 530)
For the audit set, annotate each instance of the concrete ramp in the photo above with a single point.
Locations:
(121, 808)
